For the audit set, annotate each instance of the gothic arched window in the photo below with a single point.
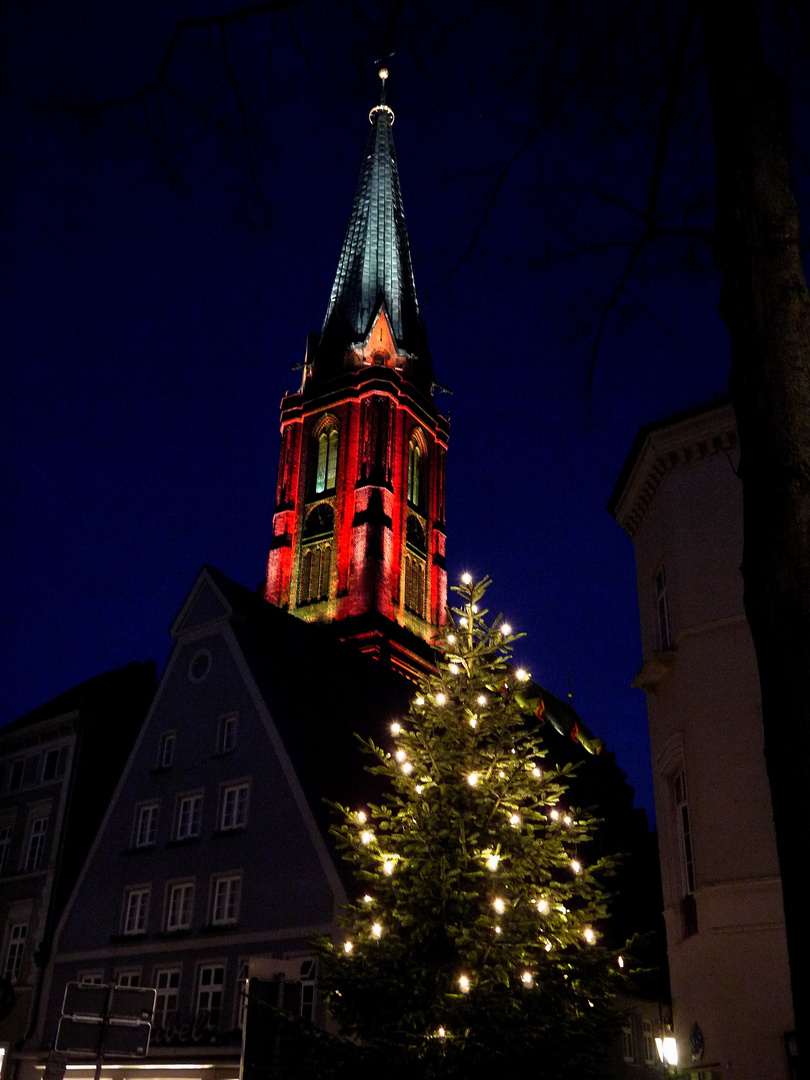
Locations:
(415, 473)
(326, 469)
(315, 567)
(415, 585)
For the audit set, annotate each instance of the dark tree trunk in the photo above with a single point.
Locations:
(766, 307)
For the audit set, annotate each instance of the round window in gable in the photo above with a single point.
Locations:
(200, 665)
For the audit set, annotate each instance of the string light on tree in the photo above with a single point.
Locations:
(484, 887)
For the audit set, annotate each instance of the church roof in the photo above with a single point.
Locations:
(375, 263)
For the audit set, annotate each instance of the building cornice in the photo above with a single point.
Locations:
(659, 448)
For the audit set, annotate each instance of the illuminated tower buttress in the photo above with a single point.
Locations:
(359, 524)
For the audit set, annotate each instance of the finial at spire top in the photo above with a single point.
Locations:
(382, 107)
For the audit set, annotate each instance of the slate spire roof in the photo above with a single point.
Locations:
(375, 263)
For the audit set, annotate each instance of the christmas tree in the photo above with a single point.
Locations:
(474, 942)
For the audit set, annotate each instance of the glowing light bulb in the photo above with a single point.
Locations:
(473, 722)
(499, 905)
(388, 867)
(475, 609)
(620, 961)
(542, 905)
(526, 978)
(514, 820)
(466, 579)
(575, 866)
(407, 767)
(497, 929)
(366, 899)
(464, 983)
(492, 862)
(555, 814)
(548, 946)
(366, 837)
(472, 779)
(535, 770)
(419, 789)
(454, 669)
(521, 674)
(567, 819)
(441, 1033)
(396, 728)
(361, 817)
(590, 1003)
(462, 621)
(400, 755)
(347, 946)
(441, 699)
(376, 930)
(419, 700)
(589, 935)
(482, 699)
(451, 639)
(506, 628)
(501, 774)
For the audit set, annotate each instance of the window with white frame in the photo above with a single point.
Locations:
(146, 822)
(189, 815)
(663, 627)
(241, 994)
(684, 832)
(6, 833)
(166, 749)
(210, 991)
(226, 738)
(128, 977)
(167, 984)
(14, 951)
(307, 975)
(234, 806)
(35, 849)
(136, 910)
(180, 906)
(91, 978)
(50, 764)
(649, 1042)
(226, 892)
(16, 777)
(628, 1043)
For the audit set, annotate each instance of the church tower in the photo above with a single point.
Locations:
(359, 524)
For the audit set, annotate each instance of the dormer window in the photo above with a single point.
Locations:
(326, 470)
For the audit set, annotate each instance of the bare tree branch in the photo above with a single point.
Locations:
(240, 104)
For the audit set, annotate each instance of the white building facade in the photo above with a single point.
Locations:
(680, 500)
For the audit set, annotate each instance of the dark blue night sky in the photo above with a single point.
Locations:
(153, 320)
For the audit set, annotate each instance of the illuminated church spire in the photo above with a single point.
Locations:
(375, 269)
(358, 531)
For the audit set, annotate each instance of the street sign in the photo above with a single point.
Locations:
(85, 999)
(82, 1037)
(100, 1019)
(132, 1003)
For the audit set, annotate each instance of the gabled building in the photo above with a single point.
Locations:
(680, 500)
(215, 845)
(59, 765)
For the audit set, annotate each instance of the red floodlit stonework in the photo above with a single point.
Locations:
(366, 535)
